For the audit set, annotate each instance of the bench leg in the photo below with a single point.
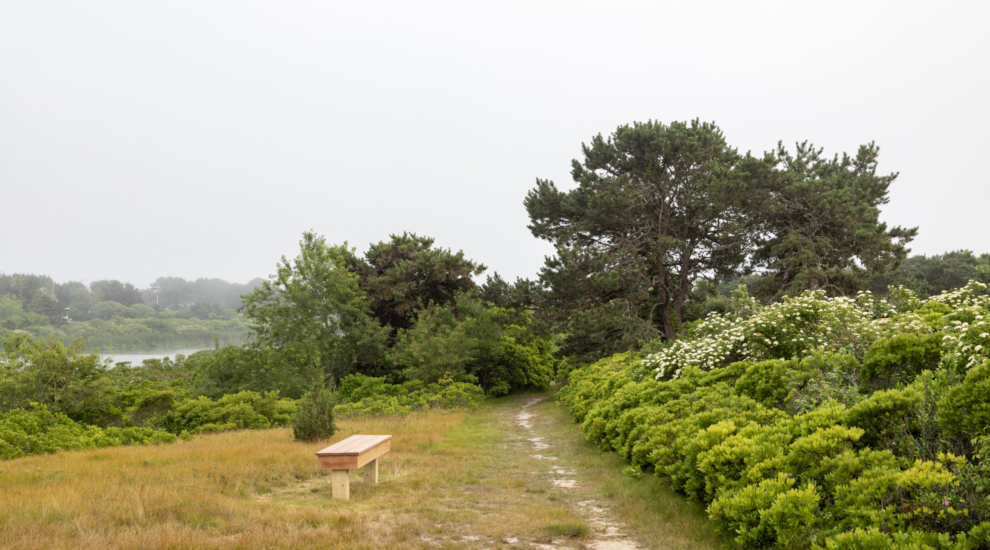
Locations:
(341, 483)
(370, 474)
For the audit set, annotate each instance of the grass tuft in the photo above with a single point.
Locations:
(571, 529)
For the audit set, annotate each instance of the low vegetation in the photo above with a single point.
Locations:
(37, 430)
(813, 422)
(364, 396)
(448, 482)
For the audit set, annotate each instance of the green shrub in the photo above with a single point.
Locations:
(777, 480)
(884, 415)
(367, 396)
(242, 410)
(876, 539)
(770, 382)
(231, 369)
(901, 358)
(965, 411)
(37, 430)
(515, 363)
(834, 377)
(356, 387)
(313, 420)
(793, 446)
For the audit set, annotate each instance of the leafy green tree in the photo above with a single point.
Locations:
(46, 305)
(139, 311)
(206, 310)
(314, 308)
(436, 344)
(516, 360)
(656, 208)
(232, 369)
(115, 291)
(64, 378)
(13, 316)
(820, 223)
(468, 341)
(406, 273)
(26, 287)
(80, 301)
(108, 309)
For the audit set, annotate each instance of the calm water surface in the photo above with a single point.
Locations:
(136, 357)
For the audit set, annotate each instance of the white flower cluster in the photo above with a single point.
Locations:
(967, 334)
(973, 294)
(793, 327)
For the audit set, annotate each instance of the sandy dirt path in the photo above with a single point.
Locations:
(606, 533)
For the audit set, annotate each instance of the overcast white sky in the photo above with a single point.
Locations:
(201, 138)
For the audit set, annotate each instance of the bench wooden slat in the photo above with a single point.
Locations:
(354, 445)
(343, 447)
(354, 452)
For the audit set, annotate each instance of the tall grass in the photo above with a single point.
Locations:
(245, 489)
(452, 480)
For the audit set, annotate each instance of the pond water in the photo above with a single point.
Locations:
(136, 357)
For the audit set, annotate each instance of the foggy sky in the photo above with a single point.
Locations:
(200, 139)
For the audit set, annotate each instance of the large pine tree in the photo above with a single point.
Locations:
(655, 208)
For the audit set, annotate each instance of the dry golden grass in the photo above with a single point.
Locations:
(450, 481)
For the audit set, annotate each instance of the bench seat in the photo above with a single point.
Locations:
(354, 452)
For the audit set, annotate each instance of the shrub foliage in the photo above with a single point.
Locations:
(313, 420)
(814, 422)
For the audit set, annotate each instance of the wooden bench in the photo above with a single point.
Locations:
(350, 454)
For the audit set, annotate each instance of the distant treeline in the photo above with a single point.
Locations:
(40, 295)
(932, 275)
(178, 293)
(117, 316)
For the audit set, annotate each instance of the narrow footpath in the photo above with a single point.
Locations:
(605, 533)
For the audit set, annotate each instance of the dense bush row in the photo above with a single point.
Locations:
(37, 430)
(814, 422)
(244, 410)
(366, 396)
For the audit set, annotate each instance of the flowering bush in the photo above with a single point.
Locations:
(815, 422)
(795, 327)
(967, 327)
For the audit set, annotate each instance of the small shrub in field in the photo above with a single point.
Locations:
(313, 420)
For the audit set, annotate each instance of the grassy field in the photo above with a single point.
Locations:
(454, 480)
